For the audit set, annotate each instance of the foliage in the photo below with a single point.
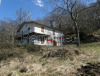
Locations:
(7, 53)
(32, 48)
(16, 50)
(6, 45)
(9, 50)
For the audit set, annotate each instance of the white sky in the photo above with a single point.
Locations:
(0, 2)
(39, 3)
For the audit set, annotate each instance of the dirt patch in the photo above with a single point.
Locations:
(91, 69)
(10, 74)
(67, 53)
(24, 69)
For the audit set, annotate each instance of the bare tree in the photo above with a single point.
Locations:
(22, 16)
(7, 31)
(71, 6)
(45, 20)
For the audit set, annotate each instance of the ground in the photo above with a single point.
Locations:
(34, 65)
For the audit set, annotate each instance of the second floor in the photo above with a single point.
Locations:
(30, 27)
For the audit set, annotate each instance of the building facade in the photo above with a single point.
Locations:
(39, 34)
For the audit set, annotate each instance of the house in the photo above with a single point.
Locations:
(39, 34)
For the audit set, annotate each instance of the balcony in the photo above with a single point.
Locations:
(26, 32)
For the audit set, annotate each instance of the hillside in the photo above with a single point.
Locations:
(68, 60)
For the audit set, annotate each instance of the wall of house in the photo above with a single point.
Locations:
(25, 28)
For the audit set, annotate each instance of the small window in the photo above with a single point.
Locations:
(53, 32)
(29, 28)
(42, 29)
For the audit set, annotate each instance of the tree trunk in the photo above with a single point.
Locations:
(77, 34)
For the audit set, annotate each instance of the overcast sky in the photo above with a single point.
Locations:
(8, 8)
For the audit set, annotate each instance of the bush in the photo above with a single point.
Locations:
(4, 54)
(32, 48)
(88, 38)
(11, 52)
(18, 45)
(6, 45)
(8, 50)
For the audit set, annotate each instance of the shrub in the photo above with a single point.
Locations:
(7, 53)
(8, 49)
(18, 45)
(6, 45)
(32, 48)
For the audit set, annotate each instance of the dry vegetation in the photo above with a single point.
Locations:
(50, 61)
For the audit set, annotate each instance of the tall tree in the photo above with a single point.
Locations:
(6, 27)
(70, 8)
(22, 16)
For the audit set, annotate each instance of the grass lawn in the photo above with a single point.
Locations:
(92, 48)
(89, 46)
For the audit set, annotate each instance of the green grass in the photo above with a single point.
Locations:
(92, 48)
(88, 46)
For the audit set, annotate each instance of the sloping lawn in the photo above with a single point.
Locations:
(92, 48)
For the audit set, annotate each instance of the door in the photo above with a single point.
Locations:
(54, 43)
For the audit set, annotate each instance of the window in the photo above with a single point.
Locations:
(29, 28)
(42, 40)
(26, 25)
(42, 29)
(53, 32)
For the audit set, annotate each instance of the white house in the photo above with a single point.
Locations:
(39, 34)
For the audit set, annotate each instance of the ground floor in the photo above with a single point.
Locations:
(42, 40)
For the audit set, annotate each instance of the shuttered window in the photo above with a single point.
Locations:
(42, 29)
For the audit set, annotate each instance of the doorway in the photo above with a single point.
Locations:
(54, 43)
